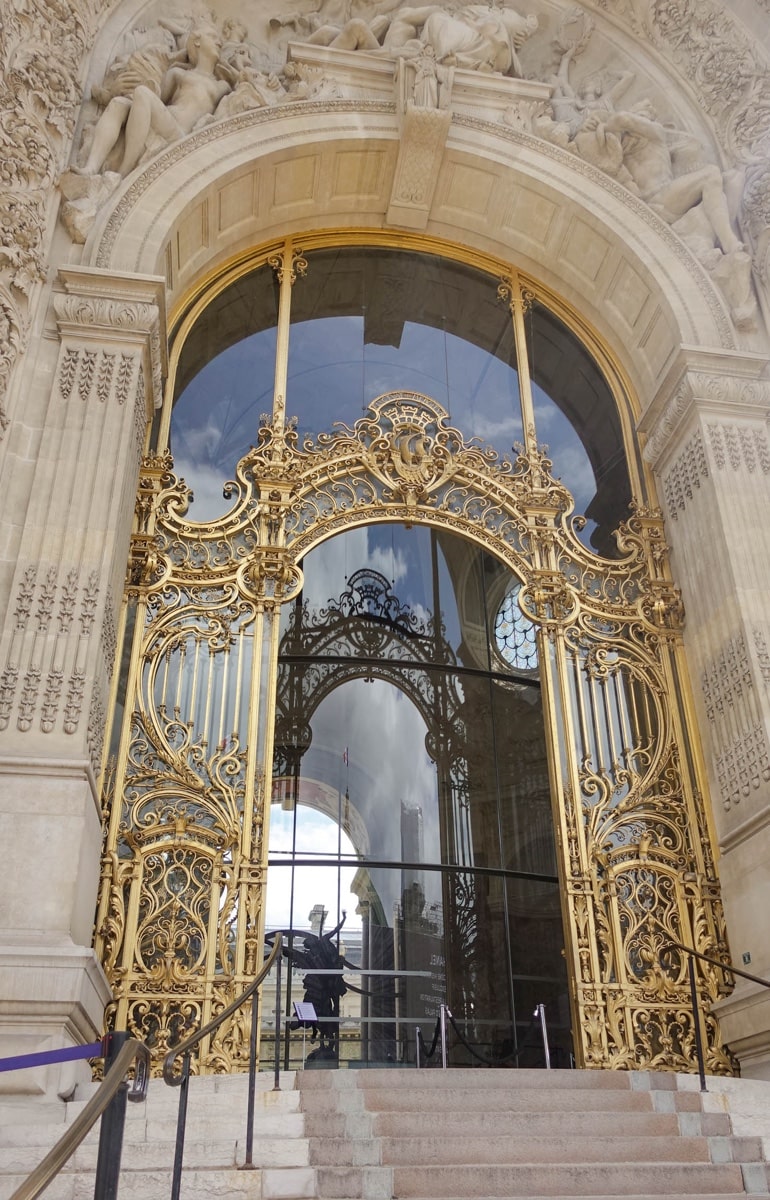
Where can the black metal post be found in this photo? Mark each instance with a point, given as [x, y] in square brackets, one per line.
[249, 1163]
[181, 1123]
[111, 1130]
[287, 1048]
[277, 1078]
[696, 1019]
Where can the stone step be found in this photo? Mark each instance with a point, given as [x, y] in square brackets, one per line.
[501, 1149]
[162, 1102]
[488, 1080]
[543, 1124]
[382, 1099]
[528, 1179]
[531, 1124]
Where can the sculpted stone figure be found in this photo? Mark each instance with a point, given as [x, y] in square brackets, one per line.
[475, 37]
[650, 152]
[595, 94]
[335, 23]
[187, 96]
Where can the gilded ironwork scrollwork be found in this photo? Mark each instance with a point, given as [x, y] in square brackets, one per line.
[183, 876]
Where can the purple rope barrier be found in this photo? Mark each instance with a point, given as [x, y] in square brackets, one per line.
[45, 1057]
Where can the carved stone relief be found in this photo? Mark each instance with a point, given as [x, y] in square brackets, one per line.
[185, 72]
[41, 50]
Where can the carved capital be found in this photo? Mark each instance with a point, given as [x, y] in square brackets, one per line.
[721, 382]
[98, 314]
[123, 314]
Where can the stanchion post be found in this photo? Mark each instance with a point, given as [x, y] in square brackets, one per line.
[278, 1001]
[540, 1013]
[442, 1014]
[417, 1036]
[111, 1130]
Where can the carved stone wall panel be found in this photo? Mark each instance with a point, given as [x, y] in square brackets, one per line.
[58, 647]
[736, 696]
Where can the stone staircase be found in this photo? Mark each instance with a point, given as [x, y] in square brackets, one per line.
[463, 1134]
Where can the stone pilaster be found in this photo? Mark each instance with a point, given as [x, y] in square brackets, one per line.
[708, 441]
[57, 650]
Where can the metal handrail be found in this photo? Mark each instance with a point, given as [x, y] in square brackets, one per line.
[184, 1047]
[715, 962]
[131, 1052]
[183, 1051]
[724, 966]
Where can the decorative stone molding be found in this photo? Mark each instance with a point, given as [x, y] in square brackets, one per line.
[727, 679]
[423, 138]
[716, 54]
[743, 766]
[763, 654]
[685, 476]
[41, 656]
[356, 58]
[734, 713]
[737, 446]
[58, 653]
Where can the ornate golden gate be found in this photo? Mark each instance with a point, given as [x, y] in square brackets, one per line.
[180, 920]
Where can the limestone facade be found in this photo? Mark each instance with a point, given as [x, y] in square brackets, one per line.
[619, 153]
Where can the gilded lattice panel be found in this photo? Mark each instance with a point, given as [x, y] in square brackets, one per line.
[193, 771]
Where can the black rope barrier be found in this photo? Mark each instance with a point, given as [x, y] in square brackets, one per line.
[429, 1053]
[482, 1058]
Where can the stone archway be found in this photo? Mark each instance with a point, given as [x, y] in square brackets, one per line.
[85, 391]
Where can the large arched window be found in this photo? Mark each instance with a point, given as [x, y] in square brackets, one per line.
[368, 320]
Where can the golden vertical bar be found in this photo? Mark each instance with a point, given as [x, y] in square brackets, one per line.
[287, 265]
[518, 301]
[207, 707]
[564, 774]
[236, 723]
[223, 700]
[194, 685]
[179, 678]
